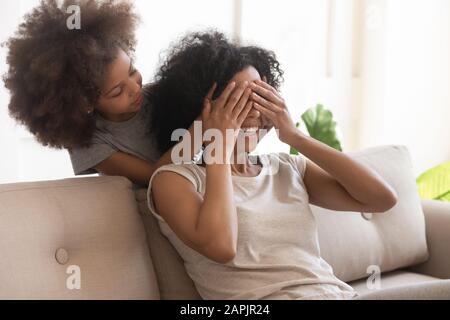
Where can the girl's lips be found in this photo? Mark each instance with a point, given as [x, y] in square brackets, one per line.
[138, 100]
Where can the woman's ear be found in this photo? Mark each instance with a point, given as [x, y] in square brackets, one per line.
[264, 79]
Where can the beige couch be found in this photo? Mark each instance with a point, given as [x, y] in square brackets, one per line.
[93, 238]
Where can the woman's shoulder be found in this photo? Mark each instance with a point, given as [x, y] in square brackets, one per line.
[191, 172]
[285, 160]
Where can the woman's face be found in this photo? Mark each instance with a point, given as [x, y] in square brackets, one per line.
[121, 95]
[252, 125]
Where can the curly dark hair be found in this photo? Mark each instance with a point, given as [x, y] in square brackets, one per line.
[193, 65]
[55, 73]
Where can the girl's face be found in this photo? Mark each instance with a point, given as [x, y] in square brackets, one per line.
[252, 125]
[121, 96]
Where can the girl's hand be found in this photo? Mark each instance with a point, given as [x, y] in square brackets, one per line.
[269, 102]
[227, 112]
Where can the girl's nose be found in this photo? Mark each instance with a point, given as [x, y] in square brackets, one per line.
[135, 88]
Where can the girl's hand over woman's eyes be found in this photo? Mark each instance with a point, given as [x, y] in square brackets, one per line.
[227, 112]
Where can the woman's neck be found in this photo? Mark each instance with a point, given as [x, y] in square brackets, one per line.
[245, 167]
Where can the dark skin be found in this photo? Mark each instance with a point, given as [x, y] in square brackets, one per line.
[209, 224]
[120, 100]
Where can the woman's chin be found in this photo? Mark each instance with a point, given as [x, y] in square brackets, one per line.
[247, 145]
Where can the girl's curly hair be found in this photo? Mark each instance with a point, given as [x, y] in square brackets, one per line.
[55, 73]
[193, 65]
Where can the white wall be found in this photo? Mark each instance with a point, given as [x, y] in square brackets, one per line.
[23, 159]
[406, 96]
[381, 66]
[313, 41]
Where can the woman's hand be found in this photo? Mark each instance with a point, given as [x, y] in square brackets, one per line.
[269, 102]
[227, 112]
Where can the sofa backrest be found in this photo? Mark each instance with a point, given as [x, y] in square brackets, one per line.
[357, 244]
[354, 244]
[73, 239]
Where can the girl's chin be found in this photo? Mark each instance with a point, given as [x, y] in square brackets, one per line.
[136, 107]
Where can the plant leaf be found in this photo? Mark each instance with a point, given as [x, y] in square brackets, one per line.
[294, 151]
[320, 125]
[435, 183]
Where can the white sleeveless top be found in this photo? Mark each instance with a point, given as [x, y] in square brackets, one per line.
[278, 255]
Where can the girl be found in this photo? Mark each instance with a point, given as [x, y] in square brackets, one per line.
[244, 228]
[78, 89]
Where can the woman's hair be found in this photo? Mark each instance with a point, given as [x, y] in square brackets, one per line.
[55, 73]
[192, 67]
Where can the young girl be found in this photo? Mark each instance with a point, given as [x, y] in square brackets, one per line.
[244, 228]
[77, 88]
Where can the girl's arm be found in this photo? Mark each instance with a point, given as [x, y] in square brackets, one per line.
[333, 179]
[140, 171]
[136, 169]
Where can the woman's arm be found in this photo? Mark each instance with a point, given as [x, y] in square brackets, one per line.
[207, 225]
[334, 180]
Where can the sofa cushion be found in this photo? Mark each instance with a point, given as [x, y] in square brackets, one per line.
[390, 280]
[174, 282]
[351, 242]
[58, 234]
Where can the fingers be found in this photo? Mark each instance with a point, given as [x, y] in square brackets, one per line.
[243, 115]
[222, 100]
[211, 91]
[267, 104]
[267, 91]
[242, 103]
[206, 109]
[264, 111]
[235, 97]
[207, 103]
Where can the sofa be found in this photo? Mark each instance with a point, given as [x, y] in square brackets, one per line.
[94, 238]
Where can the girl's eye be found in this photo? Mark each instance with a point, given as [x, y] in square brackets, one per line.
[118, 94]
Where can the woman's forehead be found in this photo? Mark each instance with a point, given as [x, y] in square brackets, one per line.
[249, 74]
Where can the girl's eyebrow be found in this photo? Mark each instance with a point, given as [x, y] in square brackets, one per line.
[118, 85]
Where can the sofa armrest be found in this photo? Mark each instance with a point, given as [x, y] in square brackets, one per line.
[437, 221]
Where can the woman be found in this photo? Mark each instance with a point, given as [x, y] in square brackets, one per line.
[78, 89]
[244, 228]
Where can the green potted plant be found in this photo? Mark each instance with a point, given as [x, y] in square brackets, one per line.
[435, 183]
[321, 126]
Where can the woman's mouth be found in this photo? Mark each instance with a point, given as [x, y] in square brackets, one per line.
[250, 130]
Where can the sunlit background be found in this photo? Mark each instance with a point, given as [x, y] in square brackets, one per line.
[381, 66]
